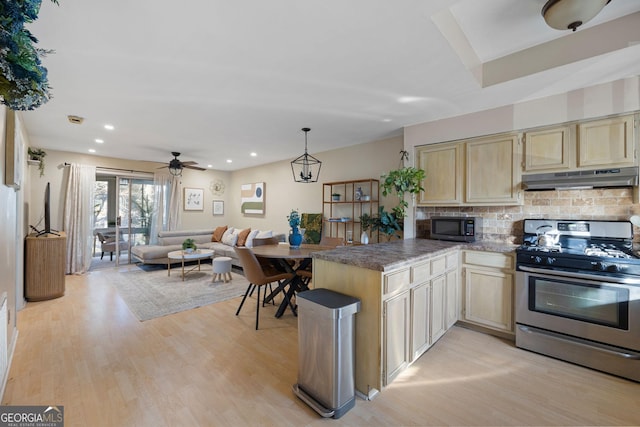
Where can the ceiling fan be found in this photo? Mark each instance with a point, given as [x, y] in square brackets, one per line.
[175, 165]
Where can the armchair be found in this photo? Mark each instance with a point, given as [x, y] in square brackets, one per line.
[108, 244]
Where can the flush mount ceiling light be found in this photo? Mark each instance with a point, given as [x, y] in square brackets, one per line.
[570, 14]
[306, 168]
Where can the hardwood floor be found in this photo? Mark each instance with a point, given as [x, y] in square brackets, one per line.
[208, 367]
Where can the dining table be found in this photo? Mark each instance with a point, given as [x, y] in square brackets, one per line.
[280, 256]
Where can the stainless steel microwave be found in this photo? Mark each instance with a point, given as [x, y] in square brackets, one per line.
[455, 228]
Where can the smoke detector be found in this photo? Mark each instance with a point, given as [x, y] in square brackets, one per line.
[76, 120]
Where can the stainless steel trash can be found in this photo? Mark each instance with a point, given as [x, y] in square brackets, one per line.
[326, 351]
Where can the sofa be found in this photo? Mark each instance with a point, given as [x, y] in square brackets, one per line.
[169, 241]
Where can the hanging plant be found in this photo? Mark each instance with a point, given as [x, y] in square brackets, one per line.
[23, 79]
[38, 154]
[400, 181]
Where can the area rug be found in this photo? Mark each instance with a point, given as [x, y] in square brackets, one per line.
[151, 294]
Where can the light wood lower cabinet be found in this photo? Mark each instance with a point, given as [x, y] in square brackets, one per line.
[403, 312]
[397, 325]
[488, 289]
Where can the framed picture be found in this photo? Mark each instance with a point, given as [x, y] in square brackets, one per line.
[13, 151]
[218, 207]
[252, 198]
[194, 199]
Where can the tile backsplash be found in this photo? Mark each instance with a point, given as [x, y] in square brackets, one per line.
[504, 223]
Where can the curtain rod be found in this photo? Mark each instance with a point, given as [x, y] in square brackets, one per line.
[115, 169]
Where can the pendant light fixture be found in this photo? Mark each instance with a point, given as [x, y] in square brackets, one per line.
[570, 14]
[306, 168]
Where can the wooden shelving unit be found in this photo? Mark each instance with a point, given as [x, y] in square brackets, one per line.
[340, 216]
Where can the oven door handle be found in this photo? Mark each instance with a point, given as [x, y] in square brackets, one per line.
[574, 275]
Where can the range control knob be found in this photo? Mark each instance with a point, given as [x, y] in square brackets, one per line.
[614, 268]
[599, 266]
[537, 259]
[550, 260]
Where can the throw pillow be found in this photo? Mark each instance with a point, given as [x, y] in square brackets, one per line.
[263, 234]
[230, 238]
[229, 231]
[242, 237]
[217, 233]
[250, 237]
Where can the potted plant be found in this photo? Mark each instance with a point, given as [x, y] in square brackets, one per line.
[366, 222]
[189, 245]
[335, 197]
[387, 223]
[400, 181]
[37, 155]
[295, 237]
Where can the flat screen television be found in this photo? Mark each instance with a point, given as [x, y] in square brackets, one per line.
[47, 214]
[47, 209]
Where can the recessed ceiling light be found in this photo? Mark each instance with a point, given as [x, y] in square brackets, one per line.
[386, 120]
[91, 150]
[209, 166]
[254, 154]
[108, 127]
[99, 141]
[229, 161]
[409, 99]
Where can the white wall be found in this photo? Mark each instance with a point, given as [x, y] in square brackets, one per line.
[12, 235]
[281, 193]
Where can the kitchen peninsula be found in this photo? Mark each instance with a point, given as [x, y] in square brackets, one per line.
[409, 292]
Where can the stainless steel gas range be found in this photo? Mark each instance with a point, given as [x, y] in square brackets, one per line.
[578, 294]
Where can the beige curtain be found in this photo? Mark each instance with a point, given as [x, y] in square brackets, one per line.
[175, 200]
[164, 215]
[78, 217]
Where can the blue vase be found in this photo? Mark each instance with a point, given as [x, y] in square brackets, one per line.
[295, 238]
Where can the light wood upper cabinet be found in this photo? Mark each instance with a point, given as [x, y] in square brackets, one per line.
[606, 143]
[479, 171]
[549, 149]
[442, 164]
[492, 170]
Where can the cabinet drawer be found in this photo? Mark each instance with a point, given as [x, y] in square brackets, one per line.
[488, 259]
[420, 273]
[394, 282]
[438, 266]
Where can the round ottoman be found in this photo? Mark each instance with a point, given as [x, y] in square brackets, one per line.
[221, 269]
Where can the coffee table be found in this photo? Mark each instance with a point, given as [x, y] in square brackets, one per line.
[198, 254]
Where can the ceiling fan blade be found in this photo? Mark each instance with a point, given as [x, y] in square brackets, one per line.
[198, 168]
[191, 162]
[162, 167]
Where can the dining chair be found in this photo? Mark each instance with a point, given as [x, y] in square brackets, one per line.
[256, 276]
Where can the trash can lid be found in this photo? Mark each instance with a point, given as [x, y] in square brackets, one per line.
[328, 298]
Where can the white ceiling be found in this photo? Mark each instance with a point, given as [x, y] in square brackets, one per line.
[216, 80]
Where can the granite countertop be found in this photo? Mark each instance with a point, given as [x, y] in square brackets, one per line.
[398, 253]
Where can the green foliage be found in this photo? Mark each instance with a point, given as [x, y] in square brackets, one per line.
[387, 223]
[23, 79]
[366, 221]
[400, 181]
[189, 243]
[38, 154]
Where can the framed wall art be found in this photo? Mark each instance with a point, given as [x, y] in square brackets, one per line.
[194, 199]
[218, 207]
[13, 151]
[252, 198]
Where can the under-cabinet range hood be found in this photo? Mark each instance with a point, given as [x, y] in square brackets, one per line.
[620, 177]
